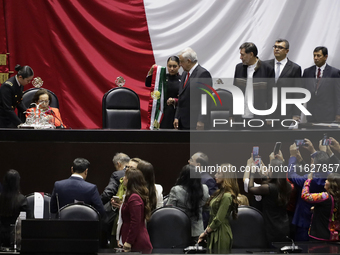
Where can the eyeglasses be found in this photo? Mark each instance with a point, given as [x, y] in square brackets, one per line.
[44, 101]
[278, 47]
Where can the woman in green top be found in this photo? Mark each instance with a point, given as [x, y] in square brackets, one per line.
[222, 203]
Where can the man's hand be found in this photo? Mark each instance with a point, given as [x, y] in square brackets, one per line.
[335, 145]
[200, 125]
[170, 101]
[176, 123]
[309, 146]
[115, 204]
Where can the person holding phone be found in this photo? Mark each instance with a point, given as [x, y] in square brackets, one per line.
[326, 216]
[275, 197]
[297, 175]
[11, 96]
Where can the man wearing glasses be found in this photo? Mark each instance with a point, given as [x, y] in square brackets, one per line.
[287, 74]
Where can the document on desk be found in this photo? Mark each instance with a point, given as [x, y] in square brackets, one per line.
[38, 205]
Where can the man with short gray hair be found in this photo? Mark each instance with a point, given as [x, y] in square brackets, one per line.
[188, 113]
[120, 160]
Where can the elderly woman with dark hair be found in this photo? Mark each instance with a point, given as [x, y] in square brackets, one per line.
[12, 202]
[42, 98]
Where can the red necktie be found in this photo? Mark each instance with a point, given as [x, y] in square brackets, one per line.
[186, 80]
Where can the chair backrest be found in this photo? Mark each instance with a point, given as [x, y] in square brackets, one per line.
[47, 199]
[121, 109]
[76, 211]
[223, 111]
[27, 97]
[169, 227]
[248, 229]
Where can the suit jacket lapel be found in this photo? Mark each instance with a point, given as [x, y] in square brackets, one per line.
[285, 70]
[326, 72]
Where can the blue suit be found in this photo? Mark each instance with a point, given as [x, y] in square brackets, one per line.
[76, 189]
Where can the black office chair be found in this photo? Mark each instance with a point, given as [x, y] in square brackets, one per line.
[27, 97]
[79, 211]
[169, 227]
[223, 111]
[248, 229]
[121, 109]
[47, 199]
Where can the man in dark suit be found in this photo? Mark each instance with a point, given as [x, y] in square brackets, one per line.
[256, 75]
[188, 112]
[76, 189]
[287, 74]
[324, 84]
[120, 160]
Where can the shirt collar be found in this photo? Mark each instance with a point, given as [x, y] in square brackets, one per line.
[254, 65]
[77, 175]
[193, 68]
[16, 78]
[283, 61]
[321, 67]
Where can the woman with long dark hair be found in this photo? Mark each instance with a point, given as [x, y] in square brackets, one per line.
[11, 96]
[325, 225]
[173, 80]
[135, 211]
[190, 195]
[223, 203]
[275, 197]
[12, 202]
[155, 190]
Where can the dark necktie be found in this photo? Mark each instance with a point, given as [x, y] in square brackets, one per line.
[318, 81]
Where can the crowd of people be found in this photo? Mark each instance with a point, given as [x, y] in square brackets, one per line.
[301, 203]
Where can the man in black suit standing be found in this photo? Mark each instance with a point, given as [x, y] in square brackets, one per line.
[287, 74]
[324, 84]
[188, 113]
[76, 189]
[256, 75]
[120, 160]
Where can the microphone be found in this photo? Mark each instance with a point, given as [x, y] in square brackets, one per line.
[291, 249]
[55, 116]
[58, 207]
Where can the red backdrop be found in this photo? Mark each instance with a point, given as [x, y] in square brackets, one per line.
[79, 48]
